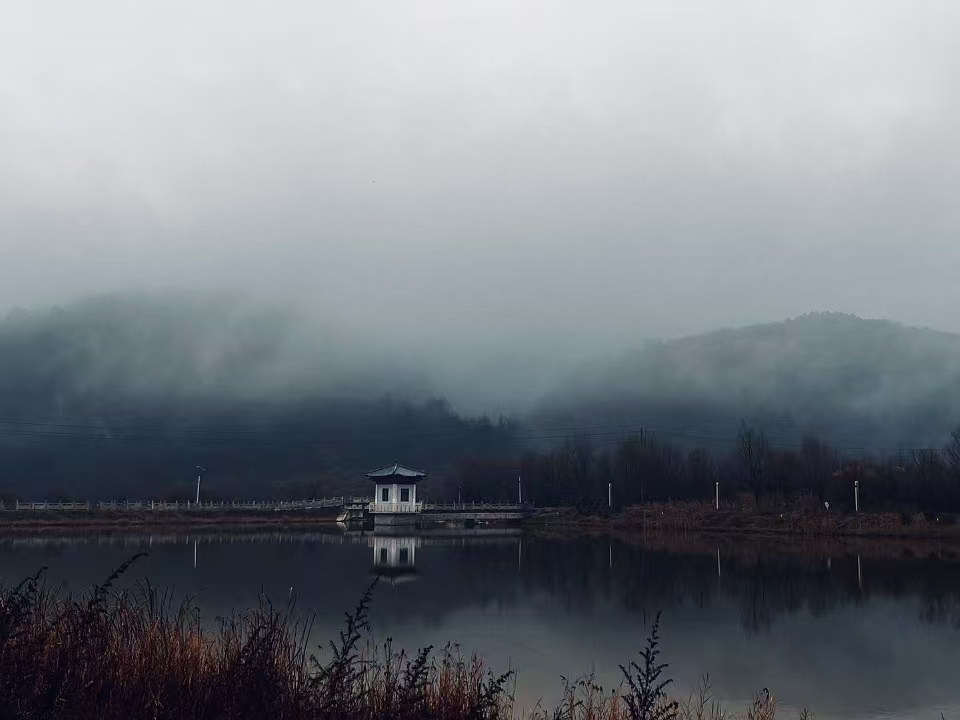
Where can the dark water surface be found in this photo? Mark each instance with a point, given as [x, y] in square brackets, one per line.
[848, 631]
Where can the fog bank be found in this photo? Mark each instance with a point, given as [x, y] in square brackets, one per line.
[487, 182]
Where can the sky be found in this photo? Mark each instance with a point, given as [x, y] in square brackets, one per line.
[496, 178]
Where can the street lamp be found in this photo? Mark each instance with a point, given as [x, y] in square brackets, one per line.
[200, 470]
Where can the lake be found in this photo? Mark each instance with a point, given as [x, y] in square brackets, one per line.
[868, 630]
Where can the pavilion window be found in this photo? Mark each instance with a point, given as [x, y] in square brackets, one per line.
[385, 495]
[404, 494]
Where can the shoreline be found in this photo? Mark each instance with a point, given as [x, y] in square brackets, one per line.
[706, 521]
[685, 519]
[33, 521]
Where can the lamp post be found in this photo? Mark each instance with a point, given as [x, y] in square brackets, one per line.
[200, 470]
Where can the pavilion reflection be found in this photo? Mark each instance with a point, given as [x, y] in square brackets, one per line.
[395, 558]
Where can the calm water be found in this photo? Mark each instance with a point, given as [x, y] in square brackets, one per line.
[868, 635]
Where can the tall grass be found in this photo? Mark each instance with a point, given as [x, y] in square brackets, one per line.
[137, 653]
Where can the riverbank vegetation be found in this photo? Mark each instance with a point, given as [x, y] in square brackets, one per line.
[135, 653]
[754, 475]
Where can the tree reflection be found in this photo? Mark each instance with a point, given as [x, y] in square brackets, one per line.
[763, 584]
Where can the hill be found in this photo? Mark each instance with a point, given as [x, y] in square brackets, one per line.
[124, 397]
[861, 383]
[117, 397]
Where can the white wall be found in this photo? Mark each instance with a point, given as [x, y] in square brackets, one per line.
[395, 489]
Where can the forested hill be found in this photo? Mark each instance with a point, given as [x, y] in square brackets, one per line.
[859, 383]
[124, 397]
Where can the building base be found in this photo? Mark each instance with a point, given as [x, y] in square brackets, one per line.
[396, 519]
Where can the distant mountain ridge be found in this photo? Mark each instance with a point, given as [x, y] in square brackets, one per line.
[874, 383]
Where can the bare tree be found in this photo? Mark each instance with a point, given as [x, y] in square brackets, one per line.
[930, 471]
[951, 453]
[701, 472]
[576, 467]
[630, 460]
[818, 463]
[929, 463]
[753, 451]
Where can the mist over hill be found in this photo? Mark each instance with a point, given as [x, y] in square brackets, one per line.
[861, 383]
[164, 348]
[119, 396]
[124, 396]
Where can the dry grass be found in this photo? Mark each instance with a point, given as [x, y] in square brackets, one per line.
[136, 654]
[643, 696]
[585, 700]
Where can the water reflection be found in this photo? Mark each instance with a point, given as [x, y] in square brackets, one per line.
[764, 582]
[847, 629]
[394, 558]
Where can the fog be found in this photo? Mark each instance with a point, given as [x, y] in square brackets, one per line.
[493, 191]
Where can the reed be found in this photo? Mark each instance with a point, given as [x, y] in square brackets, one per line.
[137, 653]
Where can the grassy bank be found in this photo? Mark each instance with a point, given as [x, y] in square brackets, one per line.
[704, 518]
[699, 518]
[136, 654]
[39, 520]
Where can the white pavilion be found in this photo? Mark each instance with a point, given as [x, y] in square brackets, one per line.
[396, 491]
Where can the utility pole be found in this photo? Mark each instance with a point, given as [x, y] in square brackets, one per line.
[200, 470]
[610, 495]
[519, 490]
[717, 496]
[856, 496]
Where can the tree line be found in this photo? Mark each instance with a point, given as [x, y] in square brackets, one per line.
[289, 451]
[644, 468]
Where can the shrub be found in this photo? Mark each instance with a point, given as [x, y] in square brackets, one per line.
[109, 655]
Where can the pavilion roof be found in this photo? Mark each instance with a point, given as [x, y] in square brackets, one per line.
[396, 470]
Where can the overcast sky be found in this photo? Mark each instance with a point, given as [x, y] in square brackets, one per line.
[489, 173]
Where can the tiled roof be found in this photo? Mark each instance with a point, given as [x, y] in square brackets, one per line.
[395, 470]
